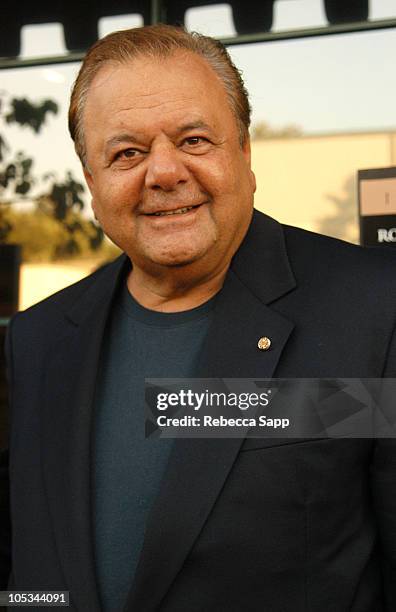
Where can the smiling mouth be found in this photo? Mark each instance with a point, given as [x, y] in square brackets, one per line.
[176, 211]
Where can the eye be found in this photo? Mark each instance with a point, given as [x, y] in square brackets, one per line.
[195, 140]
[196, 145]
[127, 154]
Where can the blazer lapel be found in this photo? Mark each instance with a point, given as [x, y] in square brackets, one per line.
[198, 468]
[66, 430]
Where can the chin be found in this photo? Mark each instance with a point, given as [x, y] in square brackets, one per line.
[176, 257]
[175, 260]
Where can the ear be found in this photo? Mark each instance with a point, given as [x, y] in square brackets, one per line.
[246, 150]
[90, 182]
[247, 155]
[89, 178]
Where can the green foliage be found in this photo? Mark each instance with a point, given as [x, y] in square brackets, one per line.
[263, 131]
[17, 174]
[43, 238]
[56, 229]
[64, 197]
[24, 112]
[3, 148]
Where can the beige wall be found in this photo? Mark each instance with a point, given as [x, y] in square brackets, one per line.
[38, 281]
[311, 181]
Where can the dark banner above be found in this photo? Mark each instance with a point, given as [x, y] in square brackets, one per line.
[80, 19]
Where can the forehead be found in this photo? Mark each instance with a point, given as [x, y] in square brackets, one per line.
[148, 89]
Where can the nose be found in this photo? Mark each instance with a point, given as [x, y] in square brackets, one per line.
[165, 168]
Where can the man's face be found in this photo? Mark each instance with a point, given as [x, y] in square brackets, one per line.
[171, 184]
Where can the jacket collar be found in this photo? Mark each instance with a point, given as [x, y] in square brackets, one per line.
[261, 264]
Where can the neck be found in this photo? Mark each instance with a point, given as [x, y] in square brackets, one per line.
[175, 291]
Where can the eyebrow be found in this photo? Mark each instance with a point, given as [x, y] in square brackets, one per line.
[119, 139]
[193, 125]
[129, 137]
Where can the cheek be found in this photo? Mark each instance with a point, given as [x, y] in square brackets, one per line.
[233, 186]
[112, 196]
[219, 180]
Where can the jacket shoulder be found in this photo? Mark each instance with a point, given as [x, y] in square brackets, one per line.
[39, 316]
[337, 256]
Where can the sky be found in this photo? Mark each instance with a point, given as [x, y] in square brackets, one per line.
[326, 84]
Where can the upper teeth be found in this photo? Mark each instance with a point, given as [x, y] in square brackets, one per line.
[173, 212]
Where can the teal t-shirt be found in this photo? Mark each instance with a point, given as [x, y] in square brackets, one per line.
[127, 468]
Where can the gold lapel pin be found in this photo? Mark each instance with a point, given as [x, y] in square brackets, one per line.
[264, 343]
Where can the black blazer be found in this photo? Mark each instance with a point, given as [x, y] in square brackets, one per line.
[278, 525]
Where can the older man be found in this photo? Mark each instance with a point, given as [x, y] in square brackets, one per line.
[206, 288]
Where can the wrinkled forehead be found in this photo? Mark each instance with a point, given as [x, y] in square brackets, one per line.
[181, 81]
[182, 73]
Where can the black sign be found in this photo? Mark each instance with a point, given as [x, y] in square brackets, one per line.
[377, 206]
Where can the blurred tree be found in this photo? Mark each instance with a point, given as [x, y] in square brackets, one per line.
[3, 147]
[60, 200]
[343, 221]
[43, 238]
[262, 131]
[26, 113]
[63, 202]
